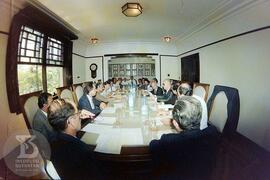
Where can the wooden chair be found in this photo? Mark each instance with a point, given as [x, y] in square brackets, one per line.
[50, 170]
[201, 90]
[65, 93]
[78, 91]
[223, 109]
[29, 106]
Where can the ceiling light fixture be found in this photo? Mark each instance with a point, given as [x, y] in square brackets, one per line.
[167, 38]
[94, 40]
[132, 9]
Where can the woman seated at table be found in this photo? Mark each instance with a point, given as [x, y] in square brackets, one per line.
[191, 151]
[71, 157]
[89, 102]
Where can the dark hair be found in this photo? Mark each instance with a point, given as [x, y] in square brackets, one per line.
[155, 79]
[187, 112]
[187, 91]
[88, 88]
[146, 80]
[98, 84]
[58, 113]
[43, 99]
[175, 87]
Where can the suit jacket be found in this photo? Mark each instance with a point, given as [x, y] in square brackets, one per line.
[167, 98]
[72, 158]
[85, 104]
[159, 91]
[190, 152]
[41, 124]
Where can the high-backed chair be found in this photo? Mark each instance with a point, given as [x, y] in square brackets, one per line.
[224, 108]
[50, 170]
[65, 93]
[201, 90]
[78, 91]
[29, 106]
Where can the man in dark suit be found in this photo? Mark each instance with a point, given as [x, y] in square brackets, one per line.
[189, 153]
[40, 122]
[71, 157]
[167, 97]
[89, 102]
[156, 89]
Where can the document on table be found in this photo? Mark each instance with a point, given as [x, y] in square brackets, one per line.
[165, 106]
[131, 136]
[105, 120]
[96, 128]
[112, 141]
[108, 110]
[108, 143]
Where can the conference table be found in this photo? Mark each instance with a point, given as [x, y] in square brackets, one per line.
[130, 121]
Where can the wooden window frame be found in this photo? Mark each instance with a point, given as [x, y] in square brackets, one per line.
[39, 21]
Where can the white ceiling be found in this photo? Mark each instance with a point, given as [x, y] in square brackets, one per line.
[104, 19]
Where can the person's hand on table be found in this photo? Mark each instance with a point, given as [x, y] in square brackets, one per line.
[102, 106]
[86, 114]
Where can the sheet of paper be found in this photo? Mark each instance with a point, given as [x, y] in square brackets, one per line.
[107, 143]
[108, 110]
[165, 106]
[105, 120]
[112, 140]
[131, 136]
[96, 128]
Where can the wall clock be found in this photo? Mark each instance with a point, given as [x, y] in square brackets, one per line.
[93, 68]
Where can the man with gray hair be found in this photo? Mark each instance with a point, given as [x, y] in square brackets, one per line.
[190, 151]
[167, 97]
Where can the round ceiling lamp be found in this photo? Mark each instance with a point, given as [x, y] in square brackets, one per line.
[94, 40]
[167, 38]
[132, 9]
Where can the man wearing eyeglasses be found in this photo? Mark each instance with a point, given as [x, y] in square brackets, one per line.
[71, 157]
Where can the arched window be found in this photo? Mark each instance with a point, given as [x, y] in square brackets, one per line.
[39, 55]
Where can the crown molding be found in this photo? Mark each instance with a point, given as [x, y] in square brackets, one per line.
[50, 13]
[223, 12]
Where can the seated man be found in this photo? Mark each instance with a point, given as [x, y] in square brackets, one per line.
[167, 97]
[184, 90]
[190, 152]
[156, 89]
[40, 121]
[89, 102]
[99, 96]
[71, 157]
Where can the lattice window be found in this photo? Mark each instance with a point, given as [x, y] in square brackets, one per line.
[55, 51]
[30, 46]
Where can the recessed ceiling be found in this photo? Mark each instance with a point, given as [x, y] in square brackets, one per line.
[103, 18]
